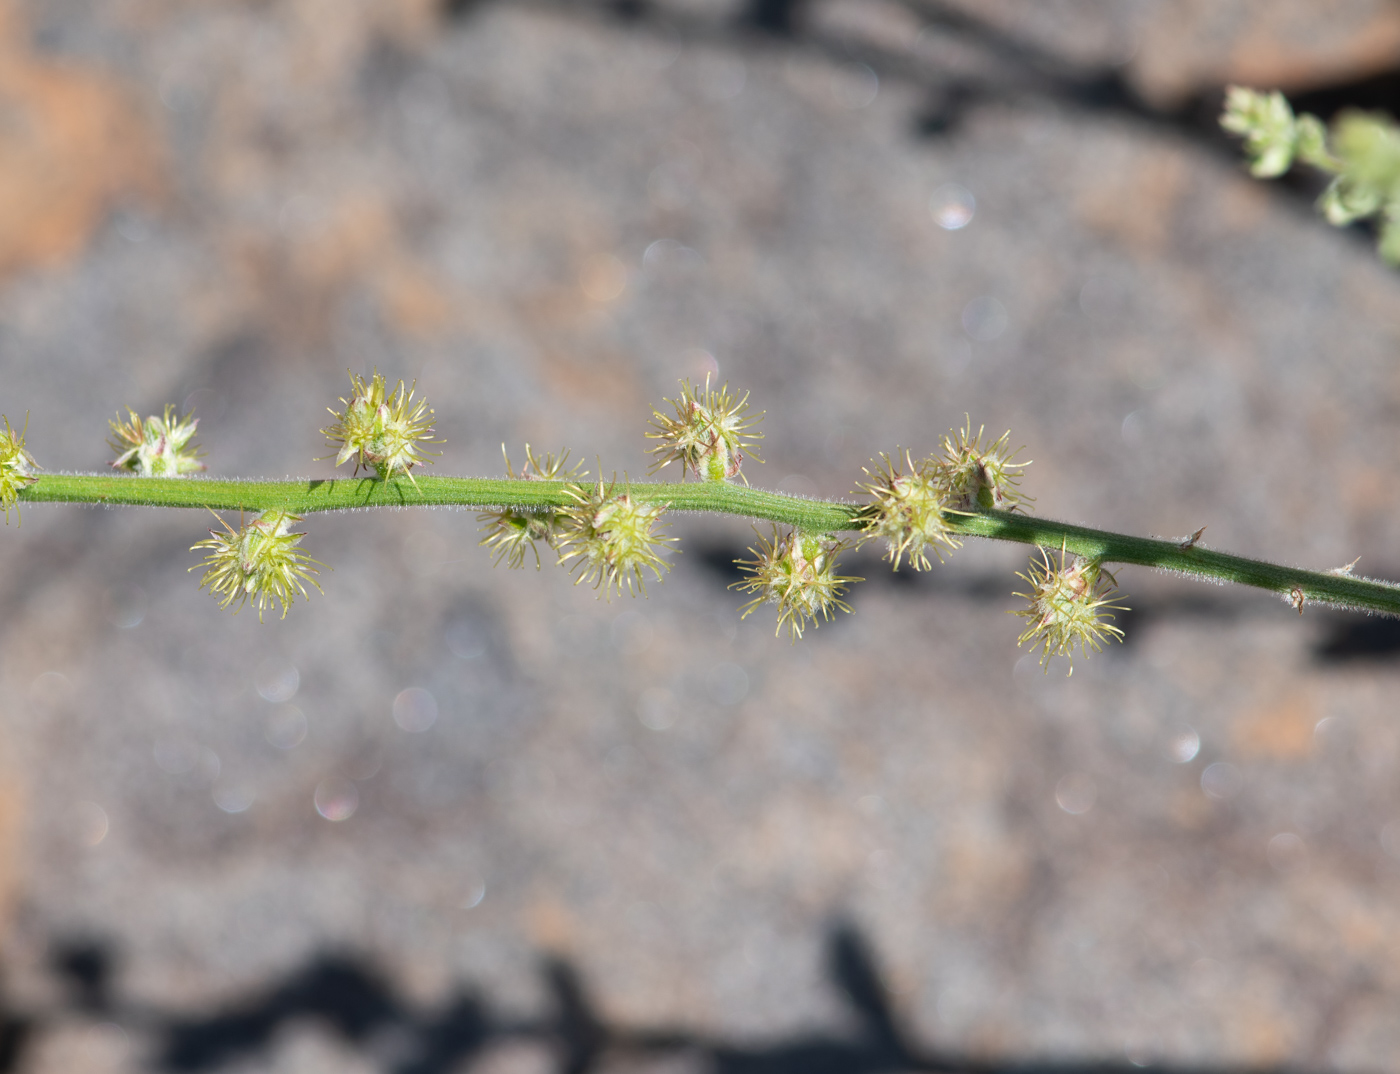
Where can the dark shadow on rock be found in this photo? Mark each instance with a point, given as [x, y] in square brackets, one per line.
[1145, 611]
[719, 560]
[86, 966]
[1378, 91]
[443, 1042]
[353, 1000]
[852, 966]
[627, 10]
[459, 9]
[776, 17]
[338, 990]
[1351, 637]
[581, 1034]
[15, 1030]
[944, 109]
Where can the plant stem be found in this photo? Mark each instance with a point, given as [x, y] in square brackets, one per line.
[305, 496]
[1343, 590]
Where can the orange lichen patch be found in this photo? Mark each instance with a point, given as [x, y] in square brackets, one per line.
[327, 36]
[1240, 208]
[1362, 930]
[1366, 489]
[1135, 200]
[1263, 1034]
[1265, 43]
[603, 278]
[1189, 808]
[1281, 730]
[416, 302]
[803, 838]
[581, 372]
[550, 924]
[1281, 51]
[294, 282]
[983, 866]
[72, 144]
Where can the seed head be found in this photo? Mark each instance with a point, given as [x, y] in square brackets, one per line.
[510, 531]
[907, 510]
[156, 446]
[708, 435]
[17, 467]
[612, 536]
[259, 562]
[381, 429]
[1069, 605]
[797, 572]
[981, 478]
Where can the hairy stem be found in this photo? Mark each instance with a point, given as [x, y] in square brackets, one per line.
[305, 496]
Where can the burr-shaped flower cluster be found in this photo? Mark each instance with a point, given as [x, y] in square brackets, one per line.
[709, 433]
[258, 562]
[156, 446]
[511, 532]
[796, 572]
[17, 468]
[383, 430]
[1069, 605]
[906, 510]
[912, 504]
[981, 477]
[612, 537]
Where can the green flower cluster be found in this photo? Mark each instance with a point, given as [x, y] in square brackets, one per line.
[1361, 152]
[1069, 606]
[797, 572]
[156, 446]
[511, 532]
[381, 429]
[709, 434]
[612, 536]
[909, 505]
[259, 562]
[17, 468]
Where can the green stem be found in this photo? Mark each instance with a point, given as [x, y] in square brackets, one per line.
[304, 496]
[1358, 594]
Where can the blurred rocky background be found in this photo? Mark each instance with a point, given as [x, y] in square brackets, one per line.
[448, 818]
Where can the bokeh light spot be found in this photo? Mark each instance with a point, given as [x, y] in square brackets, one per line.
[1076, 793]
[234, 798]
[603, 278]
[278, 681]
[336, 798]
[286, 727]
[952, 207]
[415, 710]
[1222, 781]
[1288, 854]
[1183, 744]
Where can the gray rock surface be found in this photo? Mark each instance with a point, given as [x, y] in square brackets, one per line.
[547, 215]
